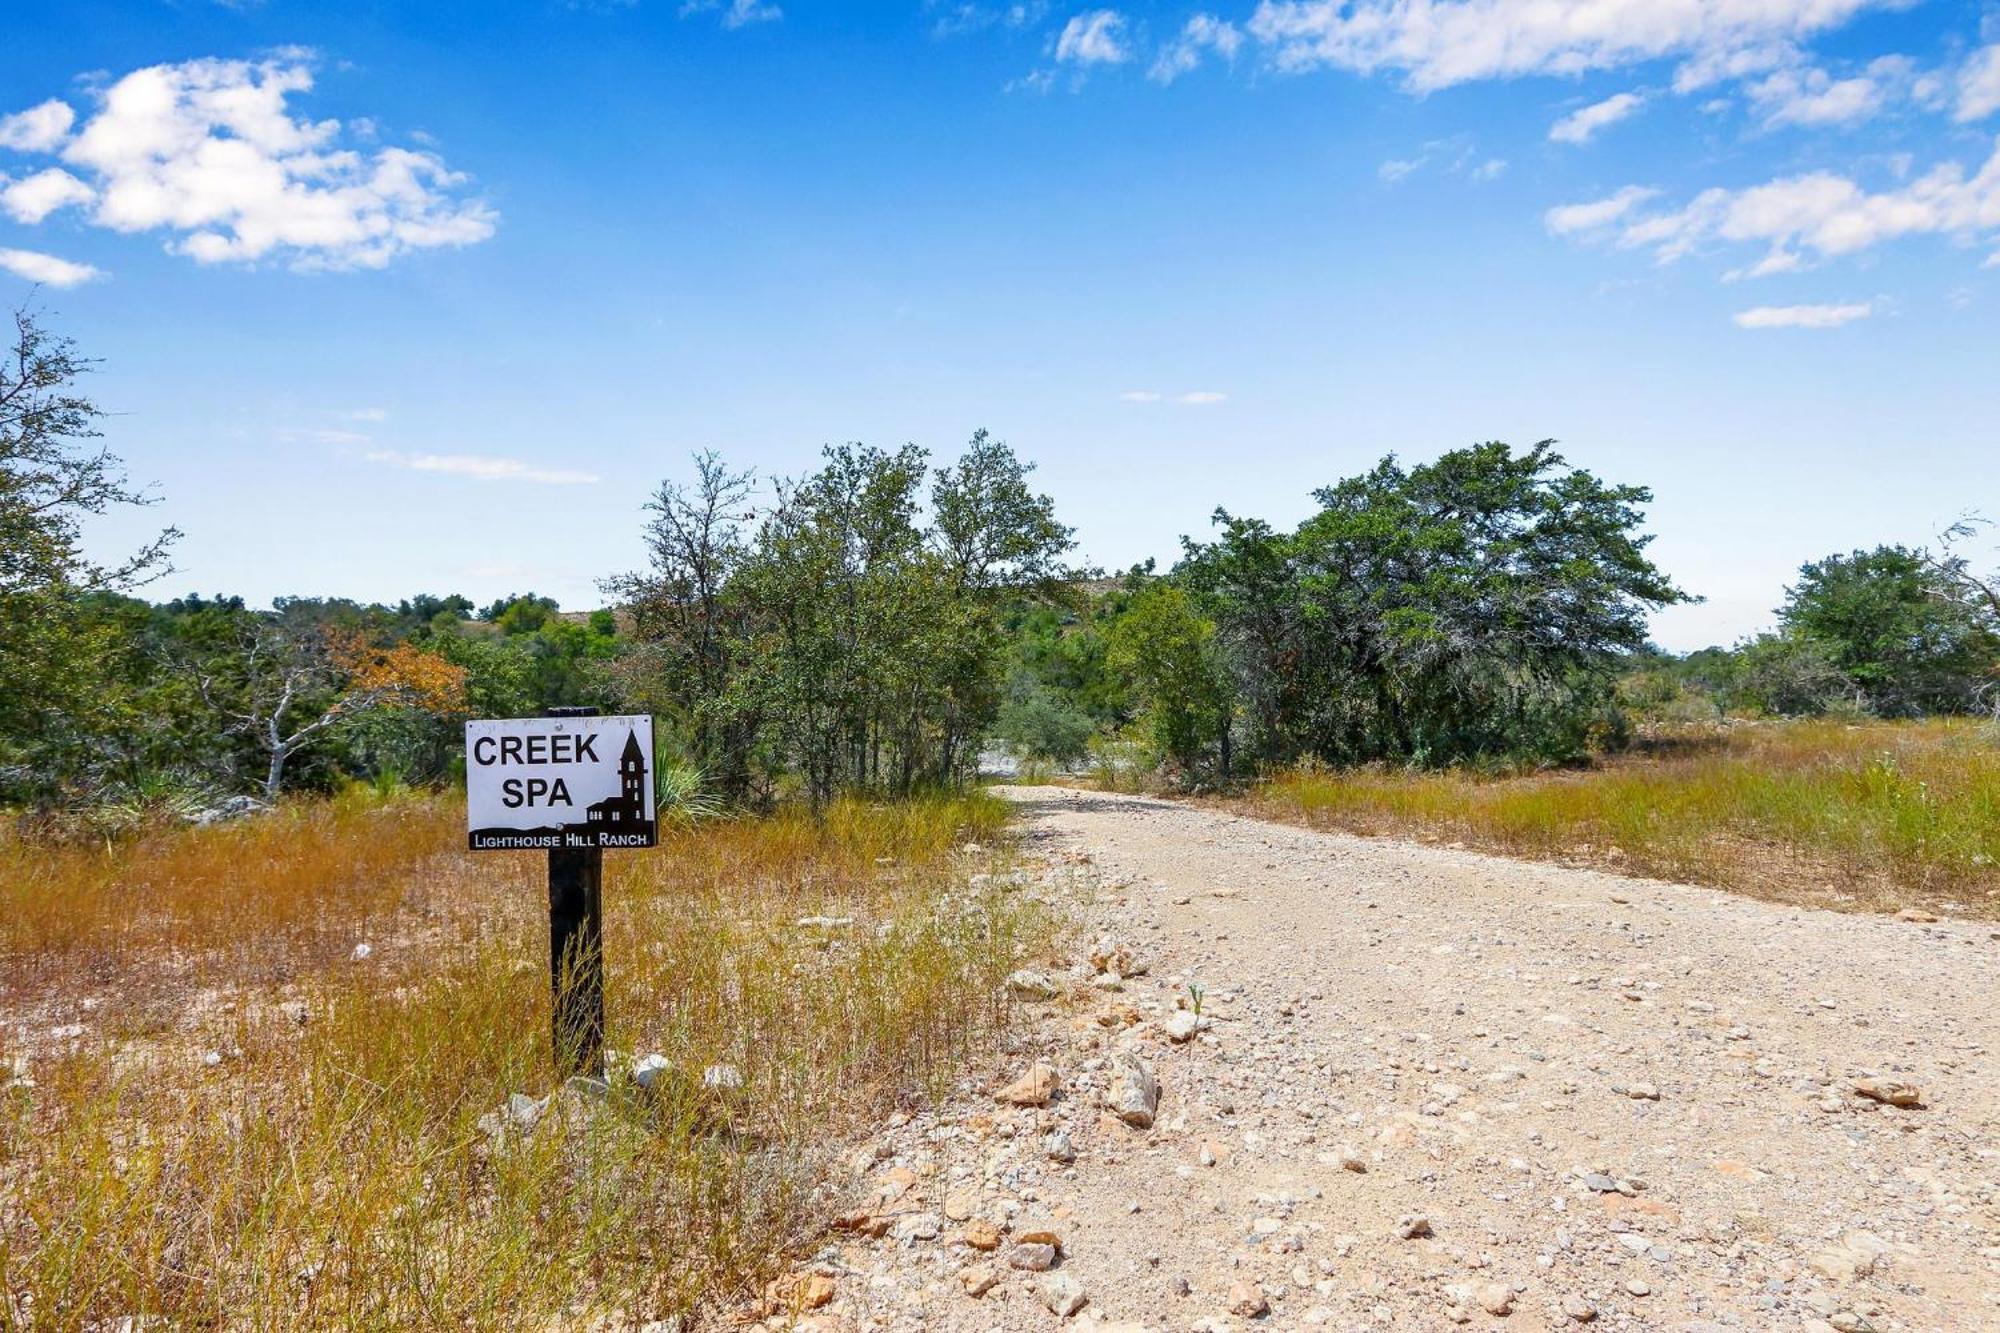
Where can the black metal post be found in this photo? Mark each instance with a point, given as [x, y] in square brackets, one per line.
[576, 951]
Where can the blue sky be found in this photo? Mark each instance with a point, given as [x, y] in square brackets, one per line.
[402, 297]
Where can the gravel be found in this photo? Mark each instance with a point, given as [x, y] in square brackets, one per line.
[1614, 1101]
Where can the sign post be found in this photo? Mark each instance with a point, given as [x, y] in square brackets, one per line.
[576, 951]
[573, 783]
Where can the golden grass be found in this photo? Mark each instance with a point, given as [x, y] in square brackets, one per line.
[332, 1172]
[1867, 817]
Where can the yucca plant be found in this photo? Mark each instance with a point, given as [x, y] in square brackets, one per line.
[681, 795]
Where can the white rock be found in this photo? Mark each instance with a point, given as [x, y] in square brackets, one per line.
[1030, 985]
[1062, 1294]
[1135, 1093]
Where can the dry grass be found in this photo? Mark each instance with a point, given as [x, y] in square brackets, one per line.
[332, 1172]
[1868, 817]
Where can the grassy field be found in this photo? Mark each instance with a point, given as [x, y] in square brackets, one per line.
[220, 1109]
[1869, 817]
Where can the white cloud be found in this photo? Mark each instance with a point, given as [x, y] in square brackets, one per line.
[47, 268]
[207, 152]
[1456, 155]
[1779, 260]
[1803, 316]
[1204, 32]
[1725, 64]
[1571, 219]
[959, 19]
[39, 129]
[1822, 212]
[1800, 94]
[1437, 43]
[481, 467]
[31, 199]
[1193, 398]
[1581, 125]
[1813, 97]
[368, 414]
[1093, 38]
[1979, 85]
[737, 14]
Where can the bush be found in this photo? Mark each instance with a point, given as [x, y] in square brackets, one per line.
[1041, 726]
[1793, 675]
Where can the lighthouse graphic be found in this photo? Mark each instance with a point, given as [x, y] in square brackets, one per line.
[628, 812]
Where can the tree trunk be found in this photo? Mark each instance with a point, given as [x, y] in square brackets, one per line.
[274, 776]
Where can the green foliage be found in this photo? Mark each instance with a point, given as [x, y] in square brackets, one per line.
[1067, 653]
[991, 527]
[1794, 674]
[1474, 607]
[1170, 652]
[871, 660]
[844, 640]
[59, 647]
[1897, 628]
[690, 632]
[681, 795]
[523, 614]
[1040, 723]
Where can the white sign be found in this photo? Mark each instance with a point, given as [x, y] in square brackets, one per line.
[559, 782]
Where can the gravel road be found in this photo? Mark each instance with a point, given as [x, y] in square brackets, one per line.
[1436, 1089]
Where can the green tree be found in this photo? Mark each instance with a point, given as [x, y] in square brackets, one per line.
[54, 644]
[1039, 723]
[1476, 606]
[1898, 628]
[1171, 652]
[691, 631]
[856, 626]
[1793, 674]
[845, 640]
[523, 614]
[995, 531]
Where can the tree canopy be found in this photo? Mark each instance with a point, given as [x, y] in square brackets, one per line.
[1471, 607]
[1897, 626]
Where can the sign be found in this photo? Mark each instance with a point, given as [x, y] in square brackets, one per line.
[560, 783]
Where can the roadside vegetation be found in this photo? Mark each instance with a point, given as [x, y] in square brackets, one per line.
[264, 1015]
[1874, 816]
[275, 1043]
[249, 1063]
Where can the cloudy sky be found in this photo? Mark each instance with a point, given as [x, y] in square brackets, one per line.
[427, 296]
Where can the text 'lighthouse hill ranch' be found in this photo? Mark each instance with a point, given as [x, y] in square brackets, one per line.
[550, 778]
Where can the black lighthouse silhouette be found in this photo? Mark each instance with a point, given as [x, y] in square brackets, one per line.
[625, 812]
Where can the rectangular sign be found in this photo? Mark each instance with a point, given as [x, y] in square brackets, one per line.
[559, 782]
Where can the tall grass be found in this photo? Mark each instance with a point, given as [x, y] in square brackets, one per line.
[1863, 816]
[258, 1129]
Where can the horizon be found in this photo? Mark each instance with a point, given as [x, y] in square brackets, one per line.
[429, 291]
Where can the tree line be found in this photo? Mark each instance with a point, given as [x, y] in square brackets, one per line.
[873, 624]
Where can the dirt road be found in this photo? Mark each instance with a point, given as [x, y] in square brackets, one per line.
[1438, 1089]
